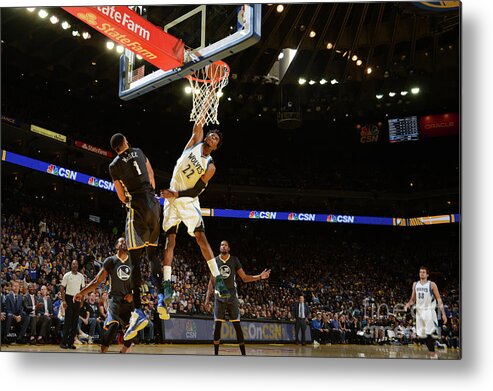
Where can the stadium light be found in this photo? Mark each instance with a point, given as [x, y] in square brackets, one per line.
[301, 81]
[66, 25]
[31, 9]
[188, 90]
[404, 93]
[312, 82]
[54, 19]
[110, 45]
[415, 90]
[334, 81]
[119, 49]
[323, 81]
[391, 94]
[42, 14]
[280, 8]
[379, 96]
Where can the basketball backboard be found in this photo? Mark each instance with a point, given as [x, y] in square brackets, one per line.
[209, 32]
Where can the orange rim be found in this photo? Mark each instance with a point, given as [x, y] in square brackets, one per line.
[216, 79]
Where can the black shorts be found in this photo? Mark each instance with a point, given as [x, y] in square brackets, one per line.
[142, 225]
[119, 311]
[231, 306]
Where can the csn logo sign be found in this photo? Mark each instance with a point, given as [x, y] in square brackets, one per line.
[301, 217]
[61, 172]
[102, 184]
[262, 215]
[340, 219]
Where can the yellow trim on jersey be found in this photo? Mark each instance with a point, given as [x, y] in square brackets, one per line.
[129, 233]
[133, 229]
[219, 320]
[234, 320]
[151, 244]
[136, 247]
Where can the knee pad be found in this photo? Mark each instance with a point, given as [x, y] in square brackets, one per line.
[430, 343]
[239, 332]
[217, 331]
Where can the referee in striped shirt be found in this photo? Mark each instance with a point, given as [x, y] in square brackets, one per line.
[72, 283]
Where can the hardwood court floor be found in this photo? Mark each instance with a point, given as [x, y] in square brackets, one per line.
[263, 350]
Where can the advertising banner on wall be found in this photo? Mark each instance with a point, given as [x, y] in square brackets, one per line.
[193, 329]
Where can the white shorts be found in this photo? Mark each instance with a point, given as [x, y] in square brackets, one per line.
[184, 209]
[426, 322]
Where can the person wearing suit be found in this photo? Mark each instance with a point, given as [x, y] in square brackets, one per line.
[15, 312]
[46, 315]
[301, 313]
[30, 307]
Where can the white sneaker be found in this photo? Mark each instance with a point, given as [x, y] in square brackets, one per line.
[83, 335]
[316, 344]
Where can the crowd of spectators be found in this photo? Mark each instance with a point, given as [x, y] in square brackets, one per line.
[351, 278]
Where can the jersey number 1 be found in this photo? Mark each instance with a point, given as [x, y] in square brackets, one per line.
[136, 165]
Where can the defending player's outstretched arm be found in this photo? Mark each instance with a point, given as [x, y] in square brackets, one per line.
[248, 278]
[100, 277]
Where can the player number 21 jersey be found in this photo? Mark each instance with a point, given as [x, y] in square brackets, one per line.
[189, 168]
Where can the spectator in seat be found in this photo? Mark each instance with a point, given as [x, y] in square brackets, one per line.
[46, 316]
[14, 310]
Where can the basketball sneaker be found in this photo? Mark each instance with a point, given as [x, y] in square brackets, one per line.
[138, 321]
[220, 288]
[163, 299]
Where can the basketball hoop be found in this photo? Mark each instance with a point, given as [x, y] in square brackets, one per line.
[207, 84]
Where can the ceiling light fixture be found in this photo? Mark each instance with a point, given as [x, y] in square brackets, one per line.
[42, 14]
[312, 34]
[369, 70]
[404, 93]
[312, 82]
[334, 81]
[323, 81]
[379, 96]
[359, 63]
[119, 49]
[66, 25]
[415, 90]
[391, 94]
[354, 58]
[75, 33]
[31, 9]
[86, 35]
[301, 81]
[54, 19]
[280, 8]
[110, 45]
[330, 45]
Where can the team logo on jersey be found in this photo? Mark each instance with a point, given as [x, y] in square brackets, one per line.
[123, 272]
[225, 271]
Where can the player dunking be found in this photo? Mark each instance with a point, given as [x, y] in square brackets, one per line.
[133, 177]
[193, 171]
[425, 294]
[230, 266]
[119, 268]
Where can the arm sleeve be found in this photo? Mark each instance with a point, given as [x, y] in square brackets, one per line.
[108, 265]
[194, 191]
[64, 280]
[114, 172]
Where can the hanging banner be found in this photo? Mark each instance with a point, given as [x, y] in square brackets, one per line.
[132, 31]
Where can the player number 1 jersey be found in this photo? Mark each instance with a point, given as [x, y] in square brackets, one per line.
[189, 168]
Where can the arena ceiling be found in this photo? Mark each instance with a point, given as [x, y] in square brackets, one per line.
[404, 45]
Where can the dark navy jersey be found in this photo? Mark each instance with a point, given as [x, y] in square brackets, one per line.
[228, 270]
[120, 275]
[130, 168]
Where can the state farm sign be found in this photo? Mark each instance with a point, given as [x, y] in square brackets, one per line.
[129, 29]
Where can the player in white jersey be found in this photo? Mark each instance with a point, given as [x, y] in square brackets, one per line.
[425, 294]
[193, 171]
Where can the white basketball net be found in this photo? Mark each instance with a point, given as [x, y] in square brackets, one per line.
[207, 84]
